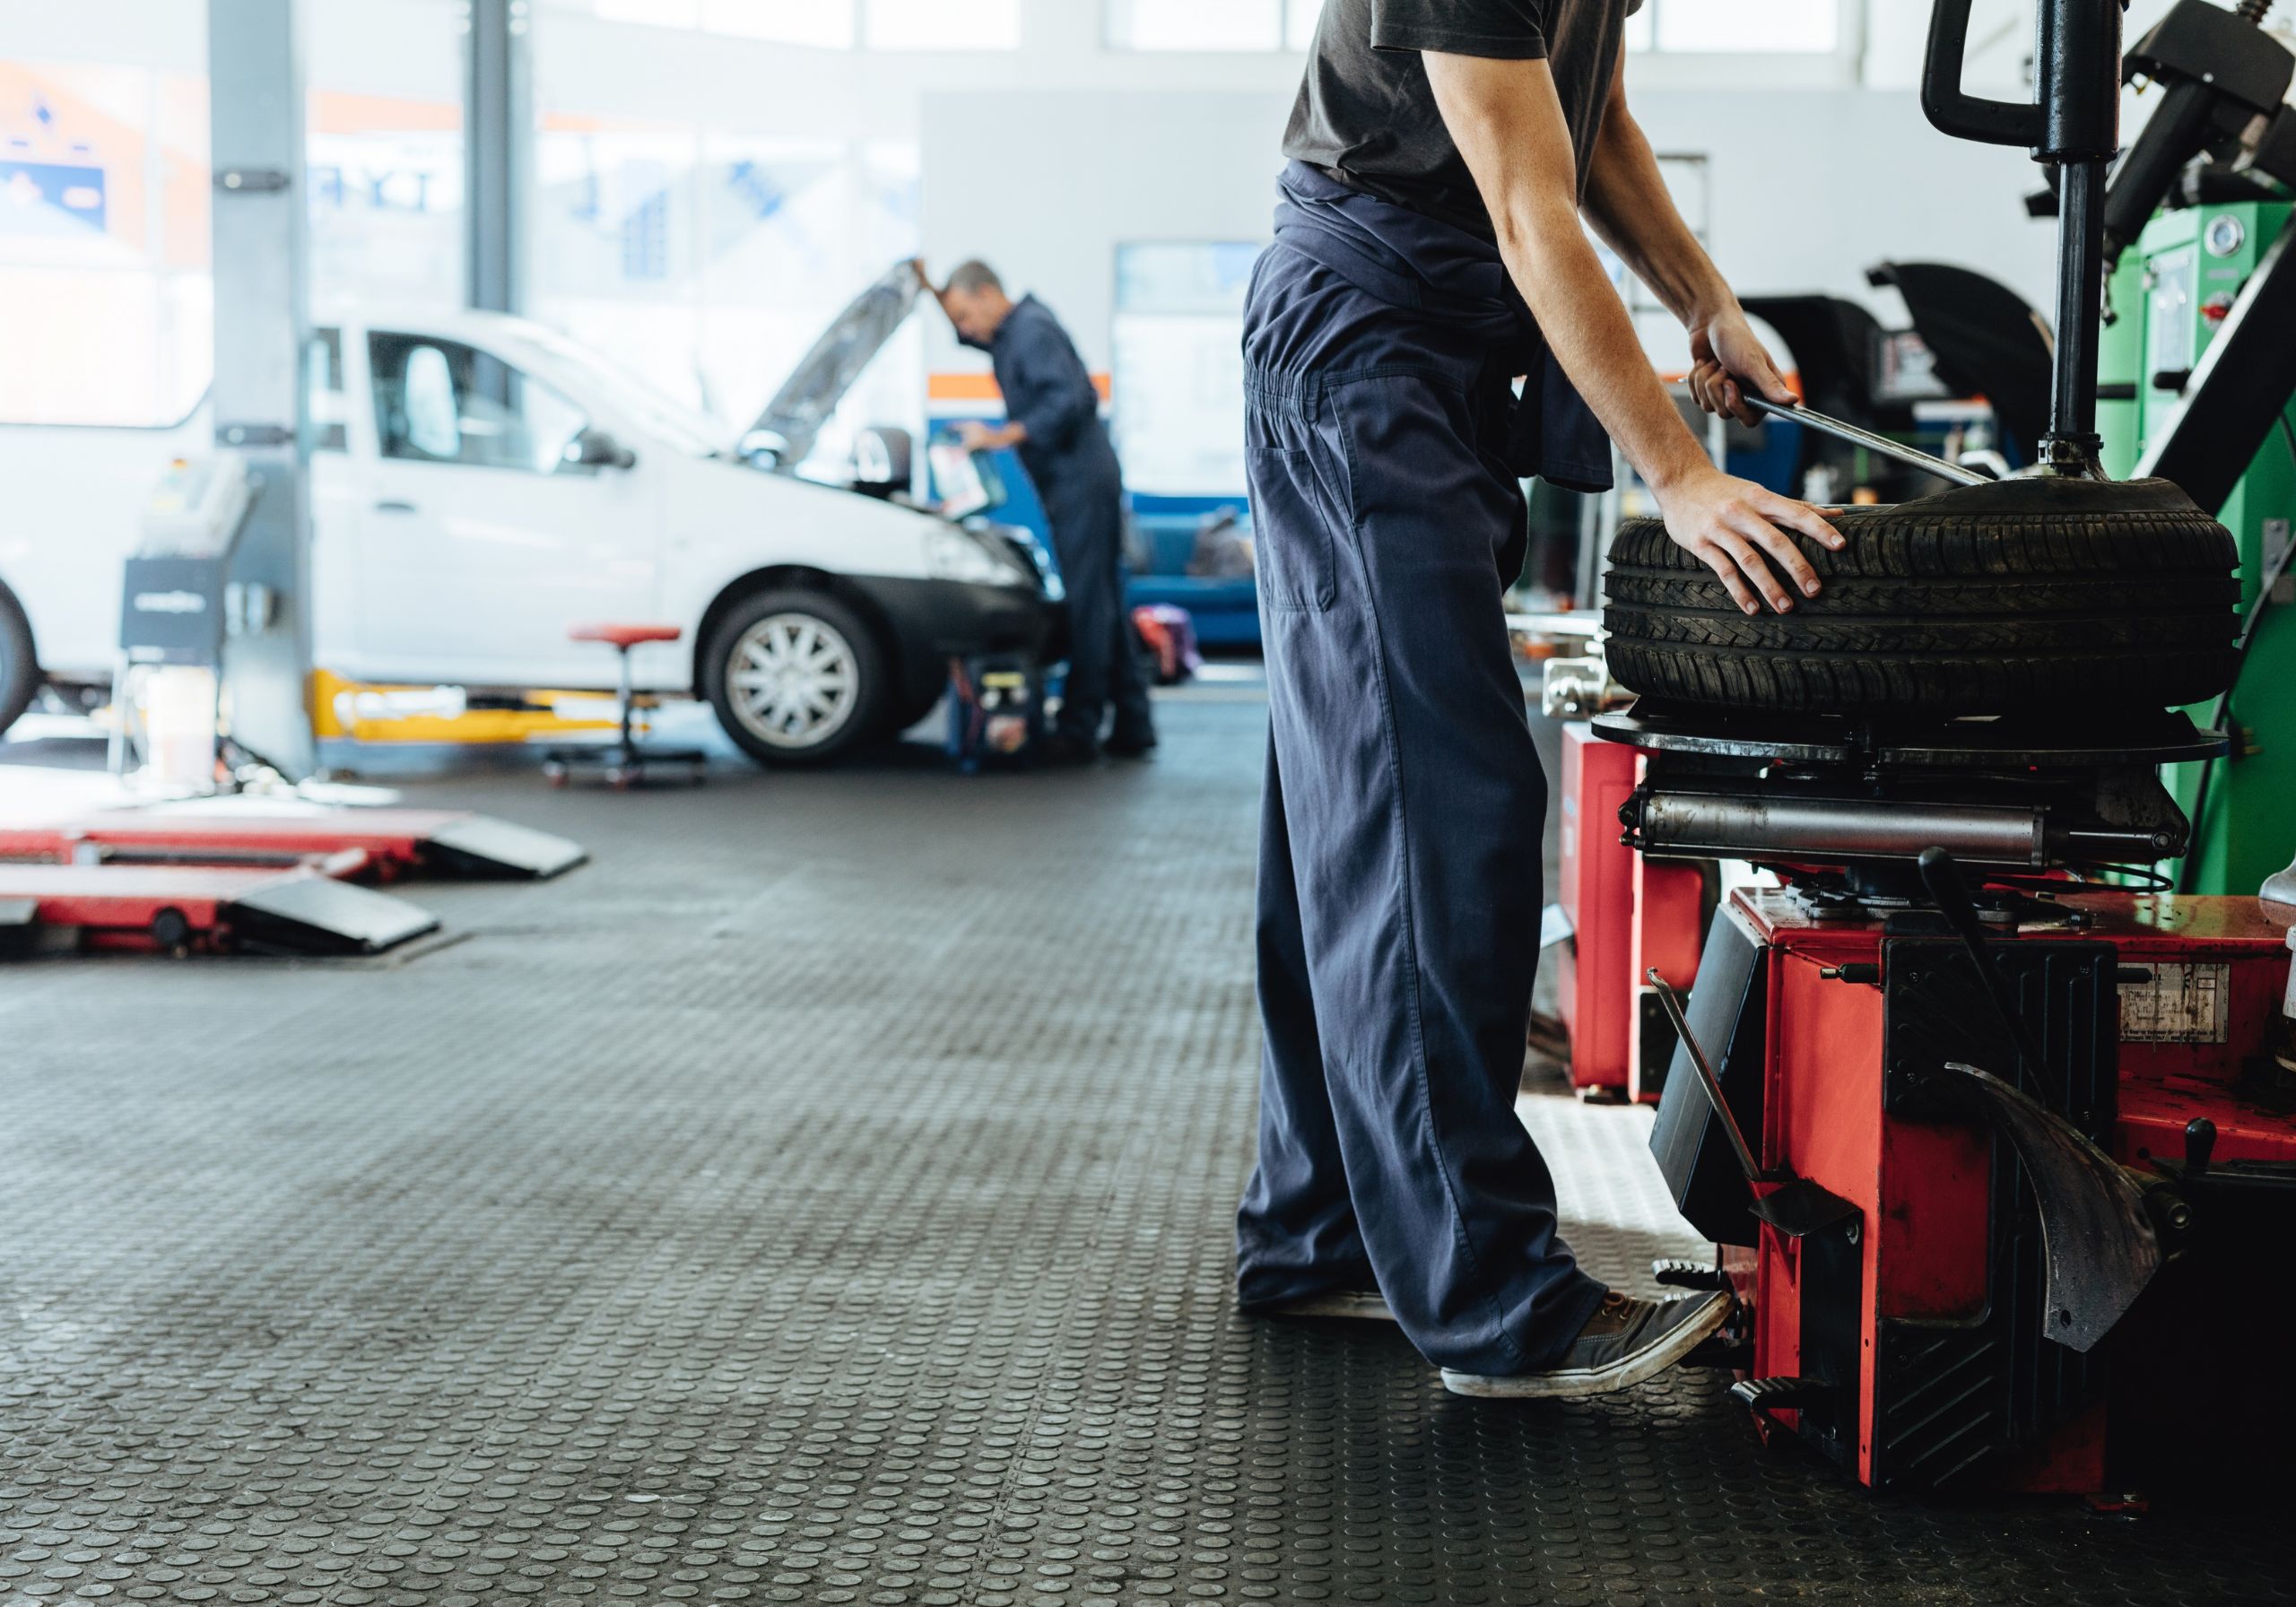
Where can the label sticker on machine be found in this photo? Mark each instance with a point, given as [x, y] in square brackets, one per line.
[2181, 1004]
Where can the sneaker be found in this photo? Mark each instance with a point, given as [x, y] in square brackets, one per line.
[1125, 746]
[1627, 1341]
[1367, 1304]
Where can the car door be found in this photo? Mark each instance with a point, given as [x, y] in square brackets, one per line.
[491, 527]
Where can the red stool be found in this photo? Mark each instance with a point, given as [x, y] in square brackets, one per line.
[624, 762]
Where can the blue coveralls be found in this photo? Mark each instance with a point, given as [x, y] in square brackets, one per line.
[1400, 881]
[1070, 457]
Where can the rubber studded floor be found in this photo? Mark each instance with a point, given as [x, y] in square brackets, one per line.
[824, 1197]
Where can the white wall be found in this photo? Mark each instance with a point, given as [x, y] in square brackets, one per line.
[1809, 188]
[2001, 43]
[1046, 186]
[1045, 158]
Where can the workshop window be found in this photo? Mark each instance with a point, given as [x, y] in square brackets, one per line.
[1717, 27]
[829, 24]
[943, 25]
[438, 401]
[1672, 27]
[824, 24]
[1180, 367]
[386, 165]
[104, 190]
[1211, 24]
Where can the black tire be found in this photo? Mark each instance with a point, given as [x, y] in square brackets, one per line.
[861, 707]
[18, 663]
[2018, 596]
[915, 708]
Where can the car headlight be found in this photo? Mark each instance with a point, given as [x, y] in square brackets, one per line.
[954, 554]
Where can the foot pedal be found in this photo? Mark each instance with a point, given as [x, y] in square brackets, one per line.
[1773, 1394]
[1689, 1274]
[1727, 1355]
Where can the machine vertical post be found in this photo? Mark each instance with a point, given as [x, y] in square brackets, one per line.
[496, 143]
[2072, 443]
[2079, 56]
[261, 231]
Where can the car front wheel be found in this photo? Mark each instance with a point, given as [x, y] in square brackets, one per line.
[796, 677]
[19, 670]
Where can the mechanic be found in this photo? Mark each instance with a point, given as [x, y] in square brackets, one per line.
[1053, 416]
[1429, 251]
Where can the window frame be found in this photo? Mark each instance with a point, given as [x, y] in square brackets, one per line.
[326, 342]
[1686, 68]
[410, 341]
[857, 40]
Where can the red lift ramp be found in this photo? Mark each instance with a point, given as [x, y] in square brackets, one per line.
[396, 842]
[185, 909]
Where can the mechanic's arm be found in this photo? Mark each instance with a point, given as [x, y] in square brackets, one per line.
[1631, 208]
[1508, 122]
[1045, 404]
[974, 435]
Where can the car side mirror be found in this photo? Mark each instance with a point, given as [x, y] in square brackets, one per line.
[595, 449]
[768, 449]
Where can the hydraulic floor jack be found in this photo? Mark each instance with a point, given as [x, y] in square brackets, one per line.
[1994, 1134]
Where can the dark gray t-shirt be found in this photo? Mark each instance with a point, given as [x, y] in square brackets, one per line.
[1366, 116]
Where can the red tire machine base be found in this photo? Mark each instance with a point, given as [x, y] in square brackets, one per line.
[2060, 1276]
[1626, 914]
[1911, 1340]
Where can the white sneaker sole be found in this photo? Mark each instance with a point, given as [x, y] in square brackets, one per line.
[1342, 1303]
[1638, 1367]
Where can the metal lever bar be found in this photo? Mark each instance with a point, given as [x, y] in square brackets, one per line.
[1795, 1206]
[1942, 878]
[1867, 438]
[1707, 1079]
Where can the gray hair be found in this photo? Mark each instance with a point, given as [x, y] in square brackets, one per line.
[975, 276]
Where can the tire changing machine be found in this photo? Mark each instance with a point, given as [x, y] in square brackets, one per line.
[2000, 1161]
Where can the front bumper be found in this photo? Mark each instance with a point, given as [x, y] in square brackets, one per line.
[950, 619]
[935, 621]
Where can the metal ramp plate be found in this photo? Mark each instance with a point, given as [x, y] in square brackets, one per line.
[310, 914]
[447, 842]
[479, 845]
[301, 911]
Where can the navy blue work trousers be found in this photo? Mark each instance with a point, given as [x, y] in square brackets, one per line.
[1084, 501]
[1400, 879]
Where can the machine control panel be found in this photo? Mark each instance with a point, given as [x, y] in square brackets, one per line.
[173, 599]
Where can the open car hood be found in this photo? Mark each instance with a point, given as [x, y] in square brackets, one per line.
[806, 399]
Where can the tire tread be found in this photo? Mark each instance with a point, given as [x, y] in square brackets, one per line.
[1934, 613]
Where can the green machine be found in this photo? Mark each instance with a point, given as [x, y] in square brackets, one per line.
[2174, 289]
[2196, 370]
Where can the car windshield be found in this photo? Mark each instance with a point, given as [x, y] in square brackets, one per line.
[695, 430]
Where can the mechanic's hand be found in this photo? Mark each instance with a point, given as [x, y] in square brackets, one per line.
[1725, 353]
[924, 279]
[1731, 524]
[974, 435]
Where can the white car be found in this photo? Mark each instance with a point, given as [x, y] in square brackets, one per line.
[480, 484]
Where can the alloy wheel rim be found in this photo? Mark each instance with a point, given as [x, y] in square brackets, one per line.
[793, 681]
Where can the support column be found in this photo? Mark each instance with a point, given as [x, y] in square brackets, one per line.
[261, 236]
[497, 128]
